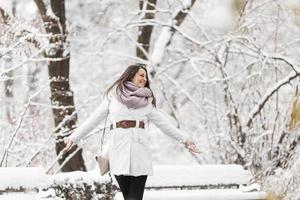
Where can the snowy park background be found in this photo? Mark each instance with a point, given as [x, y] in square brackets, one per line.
[228, 75]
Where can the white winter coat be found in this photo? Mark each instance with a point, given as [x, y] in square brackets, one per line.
[129, 152]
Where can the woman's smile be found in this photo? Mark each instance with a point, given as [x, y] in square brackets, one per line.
[140, 78]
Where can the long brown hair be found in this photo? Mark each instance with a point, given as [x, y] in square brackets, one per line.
[128, 75]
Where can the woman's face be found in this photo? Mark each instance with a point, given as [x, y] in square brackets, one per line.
[140, 78]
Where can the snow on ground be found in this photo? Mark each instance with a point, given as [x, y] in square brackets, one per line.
[25, 196]
[219, 194]
[224, 194]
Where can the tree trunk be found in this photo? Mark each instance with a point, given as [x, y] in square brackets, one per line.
[145, 32]
[62, 98]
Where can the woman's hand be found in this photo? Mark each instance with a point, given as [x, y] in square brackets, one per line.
[191, 146]
[69, 145]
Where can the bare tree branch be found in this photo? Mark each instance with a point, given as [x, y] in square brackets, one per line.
[256, 110]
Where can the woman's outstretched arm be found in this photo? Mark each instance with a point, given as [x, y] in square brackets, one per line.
[88, 125]
[159, 118]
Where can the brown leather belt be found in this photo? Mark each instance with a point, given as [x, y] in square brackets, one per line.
[128, 124]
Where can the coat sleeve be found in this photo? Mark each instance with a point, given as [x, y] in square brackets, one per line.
[159, 118]
[93, 120]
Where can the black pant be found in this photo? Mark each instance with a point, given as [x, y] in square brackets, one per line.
[132, 187]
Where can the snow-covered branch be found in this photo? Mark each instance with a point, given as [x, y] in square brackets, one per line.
[166, 35]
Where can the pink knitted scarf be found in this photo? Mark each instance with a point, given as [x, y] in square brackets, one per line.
[133, 96]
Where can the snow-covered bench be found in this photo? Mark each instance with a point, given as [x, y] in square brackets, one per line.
[198, 177]
[189, 182]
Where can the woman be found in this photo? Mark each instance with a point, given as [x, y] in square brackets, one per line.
[131, 105]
